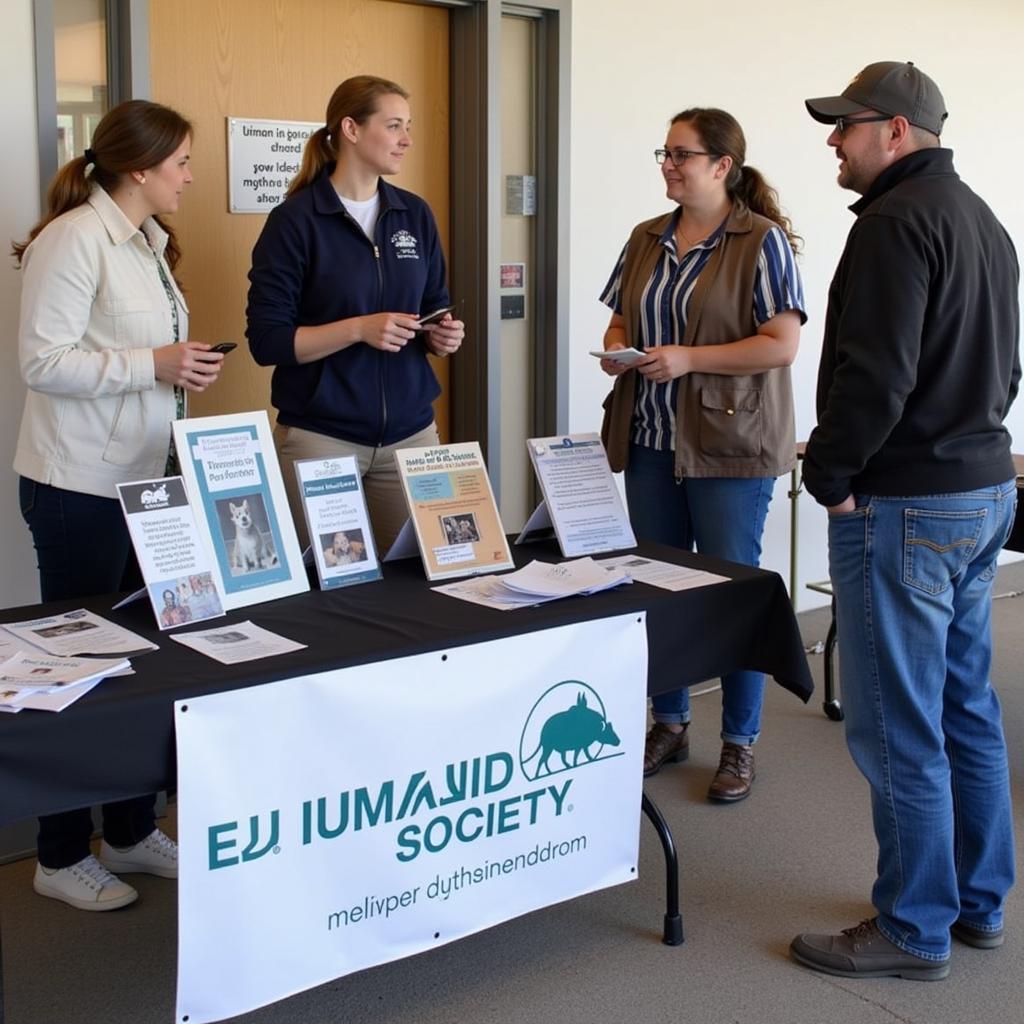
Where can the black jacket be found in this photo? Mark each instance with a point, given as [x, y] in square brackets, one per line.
[313, 264]
[919, 364]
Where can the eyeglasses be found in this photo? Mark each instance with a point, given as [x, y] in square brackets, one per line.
[842, 123]
[678, 156]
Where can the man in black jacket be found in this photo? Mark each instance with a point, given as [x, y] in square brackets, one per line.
[911, 460]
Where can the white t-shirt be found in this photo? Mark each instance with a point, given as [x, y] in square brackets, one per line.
[363, 211]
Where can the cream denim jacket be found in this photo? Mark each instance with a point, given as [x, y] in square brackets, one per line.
[93, 308]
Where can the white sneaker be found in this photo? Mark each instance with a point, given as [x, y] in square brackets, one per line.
[155, 855]
[87, 885]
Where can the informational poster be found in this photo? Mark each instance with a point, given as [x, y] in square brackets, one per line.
[337, 521]
[174, 563]
[509, 795]
[581, 499]
[263, 157]
[232, 475]
[452, 510]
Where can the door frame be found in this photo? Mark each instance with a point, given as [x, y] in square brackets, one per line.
[476, 218]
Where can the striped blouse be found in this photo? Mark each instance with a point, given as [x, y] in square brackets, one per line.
[664, 305]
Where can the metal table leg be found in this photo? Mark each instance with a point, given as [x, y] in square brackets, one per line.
[673, 933]
[833, 709]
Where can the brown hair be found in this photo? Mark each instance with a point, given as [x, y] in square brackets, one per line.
[722, 135]
[356, 98]
[132, 136]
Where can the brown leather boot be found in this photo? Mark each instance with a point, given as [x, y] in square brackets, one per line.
[735, 774]
[663, 745]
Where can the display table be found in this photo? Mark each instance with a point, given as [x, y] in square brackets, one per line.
[118, 740]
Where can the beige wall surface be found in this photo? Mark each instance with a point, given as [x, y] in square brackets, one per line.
[632, 73]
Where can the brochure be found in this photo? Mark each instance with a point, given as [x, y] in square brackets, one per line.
[626, 356]
[581, 499]
[338, 524]
[536, 583]
[233, 478]
[552, 580]
[488, 591]
[58, 700]
[42, 673]
[78, 633]
[174, 563]
[243, 641]
[665, 575]
[452, 510]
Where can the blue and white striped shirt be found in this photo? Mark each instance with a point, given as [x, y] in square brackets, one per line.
[664, 305]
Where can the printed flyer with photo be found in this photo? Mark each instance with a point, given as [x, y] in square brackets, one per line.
[581, 499]
[232, 475]
[337, 521]
[174, 563]
[452, 509]
[79, 632]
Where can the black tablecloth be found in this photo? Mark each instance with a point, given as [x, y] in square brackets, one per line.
[118, 740]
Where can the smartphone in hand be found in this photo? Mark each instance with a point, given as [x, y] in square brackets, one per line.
[436, 317]
[224, 347]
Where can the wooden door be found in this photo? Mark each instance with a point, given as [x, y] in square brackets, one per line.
[214, 59]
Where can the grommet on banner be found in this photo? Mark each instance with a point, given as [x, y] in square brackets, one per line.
[184, 708]
[444, 657]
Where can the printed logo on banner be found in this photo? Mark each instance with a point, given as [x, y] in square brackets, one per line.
[567, 729]
[580, 729]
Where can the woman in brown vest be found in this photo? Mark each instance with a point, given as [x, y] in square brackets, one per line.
[704, 424]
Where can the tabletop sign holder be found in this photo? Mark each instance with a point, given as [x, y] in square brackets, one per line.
[452, 512]
[341, 540]
[174, 562]
[581, 500]
[232, 475]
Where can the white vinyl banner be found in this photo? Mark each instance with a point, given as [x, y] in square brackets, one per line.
[332, 822]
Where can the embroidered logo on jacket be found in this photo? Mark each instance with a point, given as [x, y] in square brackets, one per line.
[406, 246]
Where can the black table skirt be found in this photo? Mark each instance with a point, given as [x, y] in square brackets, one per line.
[118, 740]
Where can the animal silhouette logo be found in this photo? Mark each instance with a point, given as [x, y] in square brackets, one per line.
[578, 733]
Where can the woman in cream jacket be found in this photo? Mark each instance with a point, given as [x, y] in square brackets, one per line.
[103, 351]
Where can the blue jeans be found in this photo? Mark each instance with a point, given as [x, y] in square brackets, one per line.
[724, 517]
[913, 587]
[84, 548]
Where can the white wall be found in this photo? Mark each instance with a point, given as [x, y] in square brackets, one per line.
[636, 64]
[19, 210]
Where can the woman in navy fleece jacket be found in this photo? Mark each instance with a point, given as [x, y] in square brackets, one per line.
[341, 274]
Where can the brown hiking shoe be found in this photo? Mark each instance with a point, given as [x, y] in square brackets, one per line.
[663, 745]
[864, 952]
[735, 774]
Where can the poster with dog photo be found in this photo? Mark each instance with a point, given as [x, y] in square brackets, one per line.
[232, 475]
[174, 562]
[338, 524]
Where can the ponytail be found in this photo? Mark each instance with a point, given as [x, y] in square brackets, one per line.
[752, 191]
[319, 151]
[70, 188]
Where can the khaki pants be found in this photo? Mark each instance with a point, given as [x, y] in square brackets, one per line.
[381, 483]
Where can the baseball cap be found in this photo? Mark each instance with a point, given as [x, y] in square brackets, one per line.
[890, 87]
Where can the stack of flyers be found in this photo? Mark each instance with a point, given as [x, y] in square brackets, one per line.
[51, 683]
